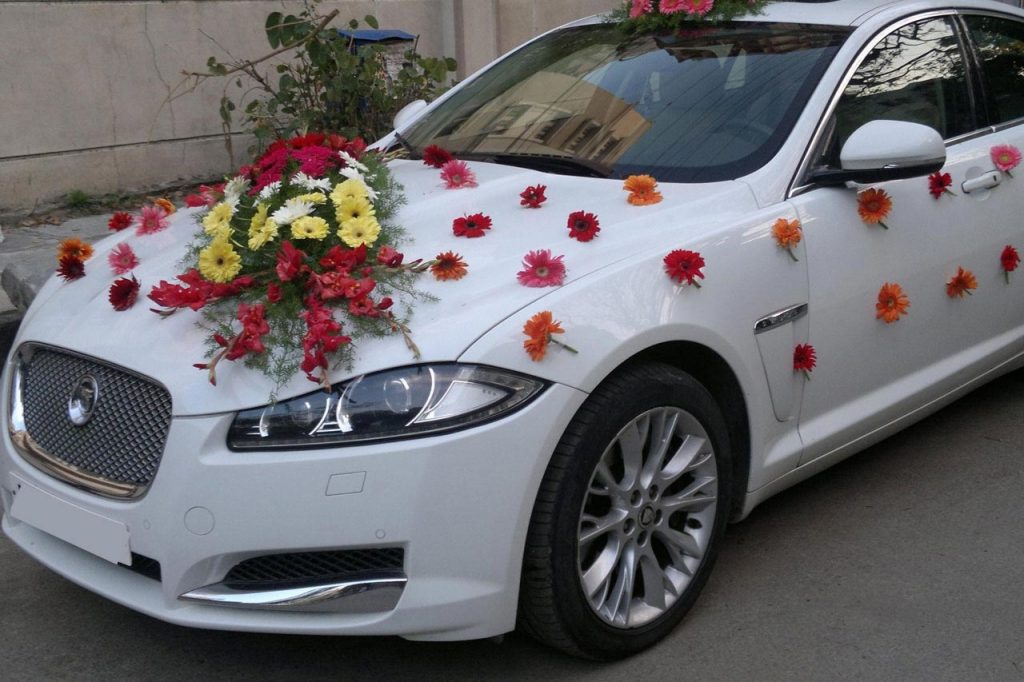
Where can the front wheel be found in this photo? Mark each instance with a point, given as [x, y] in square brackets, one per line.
[629, 516]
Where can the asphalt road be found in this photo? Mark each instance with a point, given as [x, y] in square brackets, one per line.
[905, 562]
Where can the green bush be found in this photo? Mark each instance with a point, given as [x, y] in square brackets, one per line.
[328, 84]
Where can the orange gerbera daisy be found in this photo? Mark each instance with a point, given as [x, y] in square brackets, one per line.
[74, 247]
[643, 190]
[166, 205]
[787, 234]
[892, 303]
[961, 283]
[539, 330]
[448, 266]
[874, 206]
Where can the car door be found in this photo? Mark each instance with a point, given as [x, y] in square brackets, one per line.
[901, 244]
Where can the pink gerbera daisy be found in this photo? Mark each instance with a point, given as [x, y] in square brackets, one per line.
[1006, 157]
[541, 269]
[122, 259]
[457, 174]
[153, 219]
[691, 7]
[639, 8]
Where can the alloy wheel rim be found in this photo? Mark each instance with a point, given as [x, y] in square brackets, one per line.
[647, 517]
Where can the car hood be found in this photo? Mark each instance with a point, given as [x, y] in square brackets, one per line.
[77, 315]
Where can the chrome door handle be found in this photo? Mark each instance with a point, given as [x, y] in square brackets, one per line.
[986, 181]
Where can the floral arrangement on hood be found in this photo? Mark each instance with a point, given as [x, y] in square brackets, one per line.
[645, 16]
[295, 261]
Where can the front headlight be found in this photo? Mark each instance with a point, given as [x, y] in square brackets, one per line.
[398, 403]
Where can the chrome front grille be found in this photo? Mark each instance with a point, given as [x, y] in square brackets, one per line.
[118, 450]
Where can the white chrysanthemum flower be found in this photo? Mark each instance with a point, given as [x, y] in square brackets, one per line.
[292, 209]
[270, 190]
[353, 174]
[235, 188]
[312, 184]
[351, 161]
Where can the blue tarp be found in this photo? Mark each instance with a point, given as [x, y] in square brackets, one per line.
[370, 35]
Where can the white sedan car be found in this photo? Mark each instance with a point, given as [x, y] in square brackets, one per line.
[830, 254]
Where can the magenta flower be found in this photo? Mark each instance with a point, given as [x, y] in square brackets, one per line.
[153, 219]
[672, 6]
[1006, 157]
[640, 7]
[122, 259]
[457, 174]
[541, 269]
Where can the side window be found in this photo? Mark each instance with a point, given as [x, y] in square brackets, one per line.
[1000, 43]
[916, 73]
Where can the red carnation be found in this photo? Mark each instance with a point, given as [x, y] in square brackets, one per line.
[583, 226]
[1010, 260]
[71, 268]
[682, 265]
[273, 293]
[290, 262]
[120, 221]
[435, 156]
[471, 225]
[123, 293]
[533, 197]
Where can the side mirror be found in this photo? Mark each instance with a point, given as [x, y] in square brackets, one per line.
[882, 150]
[408, 113]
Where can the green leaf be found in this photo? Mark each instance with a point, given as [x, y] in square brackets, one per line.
[371, 21]
[273, 29]
[288, 30]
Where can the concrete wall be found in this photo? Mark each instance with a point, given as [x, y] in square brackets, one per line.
[83, 84]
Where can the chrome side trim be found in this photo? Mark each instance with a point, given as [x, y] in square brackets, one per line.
[779, 318]
[371, 592]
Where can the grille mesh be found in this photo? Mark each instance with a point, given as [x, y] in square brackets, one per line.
[125, 438]
[313, 566]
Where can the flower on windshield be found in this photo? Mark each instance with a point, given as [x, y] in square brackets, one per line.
[436, 157]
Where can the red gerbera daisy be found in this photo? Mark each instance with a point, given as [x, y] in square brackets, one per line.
[583, 226]
[1010, 260]
[123, 293]
[804, 359]
[71, 268]
[448, 266]
[436, 157]
[938, 184]
[471, 225]
[533, 196]
[120, 221]
[685, 266]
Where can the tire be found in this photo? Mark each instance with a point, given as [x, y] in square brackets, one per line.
[600, 512]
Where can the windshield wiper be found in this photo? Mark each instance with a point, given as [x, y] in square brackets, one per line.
[566, 165]
[413, 154]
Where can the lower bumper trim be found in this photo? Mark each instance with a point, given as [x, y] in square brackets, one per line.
[370, 592]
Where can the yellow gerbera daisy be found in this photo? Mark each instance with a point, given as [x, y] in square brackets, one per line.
[218, 262]
[309, 227]
[363, 230]
[262, 229]
[353, 209]
[217, 222]
[350, 189]
[314, 198]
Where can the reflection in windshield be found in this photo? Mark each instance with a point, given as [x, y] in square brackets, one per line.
[694, 106]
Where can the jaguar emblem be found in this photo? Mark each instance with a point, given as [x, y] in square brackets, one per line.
[83, 400]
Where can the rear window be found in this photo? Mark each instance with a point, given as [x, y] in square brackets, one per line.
[703, 105]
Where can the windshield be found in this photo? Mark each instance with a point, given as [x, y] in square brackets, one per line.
[702, 105]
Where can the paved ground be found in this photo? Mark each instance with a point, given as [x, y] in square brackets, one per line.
[905, 562]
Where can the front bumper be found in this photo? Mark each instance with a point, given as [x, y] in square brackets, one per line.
[458, 504]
